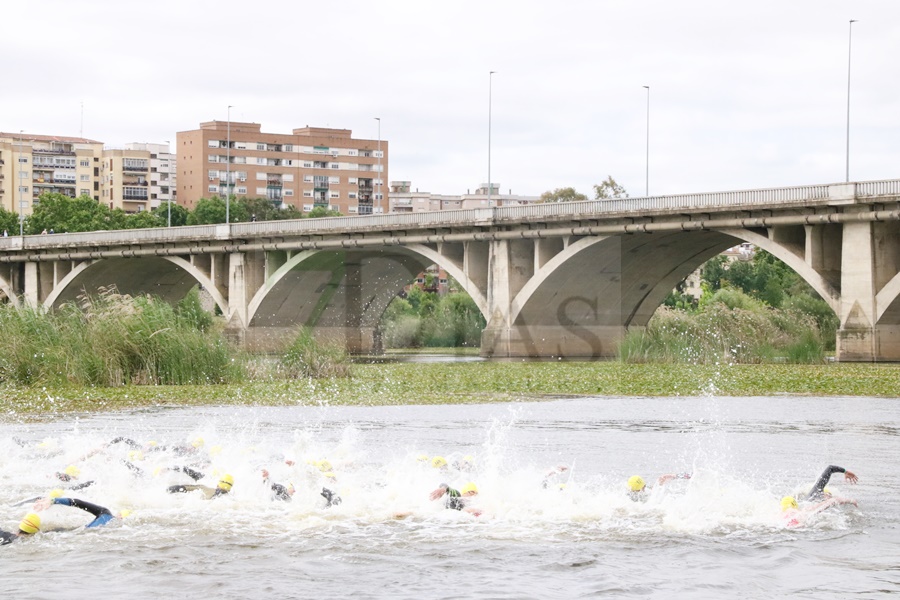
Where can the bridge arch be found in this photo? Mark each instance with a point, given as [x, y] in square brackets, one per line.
[168, 277]
[887, 302]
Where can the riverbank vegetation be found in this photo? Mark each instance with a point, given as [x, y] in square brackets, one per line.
[389, 384]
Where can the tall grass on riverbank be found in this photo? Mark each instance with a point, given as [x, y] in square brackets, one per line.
[113, 340]
[730, 328]
[308, 358]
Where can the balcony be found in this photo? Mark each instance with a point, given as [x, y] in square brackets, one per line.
[133, 169]
[134, 183]
[53, 151]
[127, 196]
[367, 188]
[274, 182]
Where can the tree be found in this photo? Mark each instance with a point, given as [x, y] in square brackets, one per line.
[9, 222]
[320, 211]
[563, 195]
[210, 211]
[63, 214]
[179, 214]
[609, 189]
[142, 220]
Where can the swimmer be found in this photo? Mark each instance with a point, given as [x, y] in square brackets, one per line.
[223, 487]
[552, 476]
[818, 490]
[795, 516]
[457, 499]
[282, 492]
[102, 515]
[30, 524]
[639, 491]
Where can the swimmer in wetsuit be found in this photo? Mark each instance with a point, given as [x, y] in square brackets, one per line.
[30, 524]
[102, 515]
[818, 490]
[457, 499]
[223, 487]
[639, 491]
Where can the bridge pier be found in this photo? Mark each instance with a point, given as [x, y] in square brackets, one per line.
[542, 341]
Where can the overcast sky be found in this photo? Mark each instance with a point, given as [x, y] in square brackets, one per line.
[743, 94]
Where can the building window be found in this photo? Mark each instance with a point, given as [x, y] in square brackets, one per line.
[213, 189]
[261, 176]
[307, 207]
[334, 180]
[85, 192]
[352, 181]
[334, 194]
[308, 178]
[260, 160]
[288, 192]
[213, 158]
[260, 146]
[378, 154]
[288, 147]
[213, 174]
[242, 190]
[85, 178]
[306, 194]
[307, 165]
[352, 195]
[213, 143]
[351, 153]
[85, 163]
[335, 165]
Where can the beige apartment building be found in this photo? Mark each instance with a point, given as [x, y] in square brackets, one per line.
[310, 167]
[403, 199]
[31, 165]
[138, 177]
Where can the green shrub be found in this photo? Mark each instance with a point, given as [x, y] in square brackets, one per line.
[307, 357]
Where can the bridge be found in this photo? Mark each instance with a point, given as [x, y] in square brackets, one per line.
[566, 279]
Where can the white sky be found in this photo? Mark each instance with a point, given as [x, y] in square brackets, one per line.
[744, 94]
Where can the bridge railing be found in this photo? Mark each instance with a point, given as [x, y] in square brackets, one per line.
[460, 217]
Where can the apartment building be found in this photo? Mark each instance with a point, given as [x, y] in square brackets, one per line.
[307, 168]
[31, 165]
[163, 172]
[404, 200]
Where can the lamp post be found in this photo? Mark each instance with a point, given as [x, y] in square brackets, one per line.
[19, 173]
[228, 170]
[647, 159]
[490, 89]
[378, 189]
[849, 50]
[169, 203]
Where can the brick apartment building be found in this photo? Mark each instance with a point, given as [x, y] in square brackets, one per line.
[307, 168]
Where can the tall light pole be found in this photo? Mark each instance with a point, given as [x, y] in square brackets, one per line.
[377, 195]
[19, 173]
[169, 216]
[647, 159]
[228, 170]
[490, 89]
[849, 50]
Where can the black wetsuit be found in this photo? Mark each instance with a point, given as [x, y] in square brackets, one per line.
[208, 491]
[332, 498]
[454, 501]
[818, 490]
[281, 492]
[102, 515]
[7, 538]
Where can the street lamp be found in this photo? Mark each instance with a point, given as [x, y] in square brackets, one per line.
[19, 169]
[228, 170]
[490, 89]
[169, 216]
[647, 159]
[849, 50]
[377, 195]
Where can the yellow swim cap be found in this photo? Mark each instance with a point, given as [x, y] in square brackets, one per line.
[469, 487]
[324, 465]
[788, 502]
[198, 442]
[135, 455]
[31, 523]
[151, 443]
[72, 471]
[226, 483]
[438, 461]
[55, 493]
[636, 483]
[124, 513]
[329, 475]
[422, 458]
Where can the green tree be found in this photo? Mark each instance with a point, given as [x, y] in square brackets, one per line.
[179, 214]
[210, 211]
[68, 215]
[9, 222]
[142, 220]
[320, 211]
[609, 189]
[563, 195]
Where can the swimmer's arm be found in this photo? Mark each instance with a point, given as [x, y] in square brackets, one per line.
[94, 509]
[439, 492]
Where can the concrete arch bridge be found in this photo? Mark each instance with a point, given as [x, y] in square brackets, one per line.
[563, 279]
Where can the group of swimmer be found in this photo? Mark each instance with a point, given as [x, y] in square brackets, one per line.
[794, 508]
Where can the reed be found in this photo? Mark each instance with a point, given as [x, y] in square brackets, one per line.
[308, 358]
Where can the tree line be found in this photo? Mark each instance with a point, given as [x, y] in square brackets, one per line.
[61, 214]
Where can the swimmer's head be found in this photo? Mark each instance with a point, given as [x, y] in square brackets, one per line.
[470, 489]
[291, 489]
[124, 514]
[788, 502]
[636, 483]
[55, 493]
[198, 442]
[72, 471]
[423, 458]
[31, 523]
[827, 492]
[324, 465]
[438, 462]
[226, 483]
[329, 475]
[135, 455]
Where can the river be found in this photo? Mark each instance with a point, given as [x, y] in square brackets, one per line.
[720, 534]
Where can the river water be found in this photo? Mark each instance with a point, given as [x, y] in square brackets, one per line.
[719, 534]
